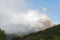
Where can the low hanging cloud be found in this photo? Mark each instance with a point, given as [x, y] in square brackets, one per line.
[15, 17]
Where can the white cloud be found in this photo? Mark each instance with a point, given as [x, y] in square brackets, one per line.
[16, 17]
[44, 9]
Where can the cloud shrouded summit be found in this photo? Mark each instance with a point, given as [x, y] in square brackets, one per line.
[15, 17]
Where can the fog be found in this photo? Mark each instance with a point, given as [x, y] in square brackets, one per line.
[16, 17]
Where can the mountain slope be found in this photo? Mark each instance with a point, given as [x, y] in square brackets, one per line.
[48, 34]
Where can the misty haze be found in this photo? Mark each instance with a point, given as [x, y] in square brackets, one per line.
[22, 17]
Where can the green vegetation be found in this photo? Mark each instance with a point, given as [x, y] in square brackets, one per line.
[2, 35]
[48, 34]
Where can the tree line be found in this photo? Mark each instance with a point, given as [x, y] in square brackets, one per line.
[52, 33]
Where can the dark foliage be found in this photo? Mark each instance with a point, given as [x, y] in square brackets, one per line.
[2, 35]
[48, 34]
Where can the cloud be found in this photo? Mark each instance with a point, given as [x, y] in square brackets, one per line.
[17, 18]
[44, 9]
[25, 23]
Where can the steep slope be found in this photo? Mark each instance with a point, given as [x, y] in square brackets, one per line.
[48, 34]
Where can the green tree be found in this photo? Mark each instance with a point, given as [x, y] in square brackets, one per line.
[2, 35]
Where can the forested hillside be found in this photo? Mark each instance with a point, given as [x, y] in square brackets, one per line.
[48, 34]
